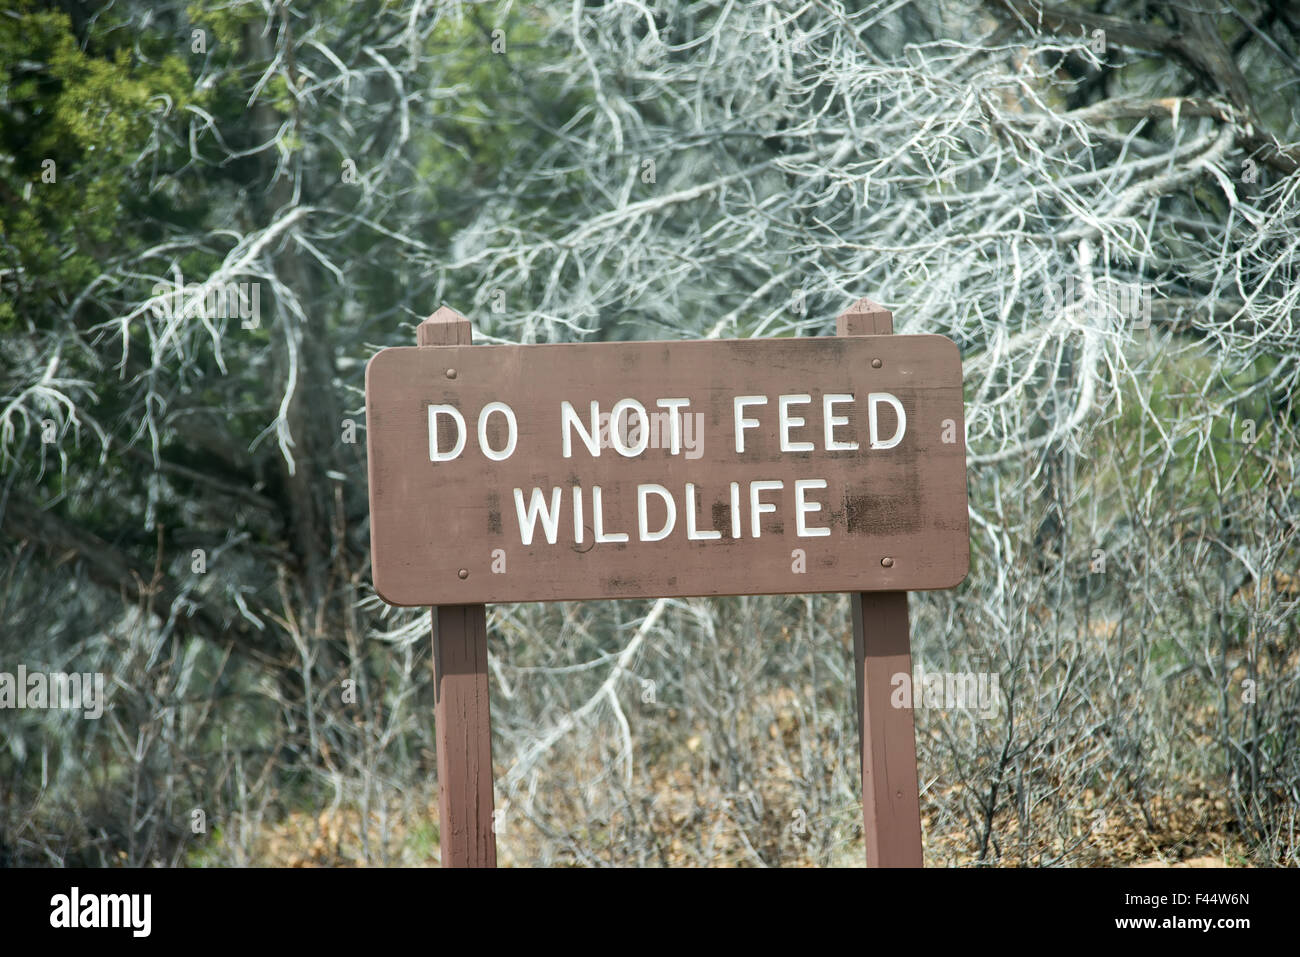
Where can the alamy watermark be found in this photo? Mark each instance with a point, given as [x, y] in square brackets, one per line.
[1103, 299]
[969, 690]
[212, 300]
[658, 429]
[78, 910]
[57, 689]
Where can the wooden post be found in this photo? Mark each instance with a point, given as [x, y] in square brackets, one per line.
[462, 716]
[891, 801]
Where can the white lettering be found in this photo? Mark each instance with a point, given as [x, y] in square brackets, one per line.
[872, 401]
[577, 514]
[674, 422]
[643, 521]
[569, 420]
[598, 517]
[537, 509]
[788, 421]
[735, 511]
[512, 431]
[743, 423]
[757, 508]
[692, 534]
[801, 508]
[434, 412]
[829, 401]
[616, 432]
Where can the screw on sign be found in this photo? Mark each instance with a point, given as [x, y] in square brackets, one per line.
[627, 470]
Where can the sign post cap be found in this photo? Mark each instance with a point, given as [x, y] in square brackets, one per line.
[446, 327]
[866, 317]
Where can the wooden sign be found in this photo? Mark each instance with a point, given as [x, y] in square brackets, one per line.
[666, 469]
[661, 469]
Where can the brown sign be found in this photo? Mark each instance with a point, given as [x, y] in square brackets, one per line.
[666, 469]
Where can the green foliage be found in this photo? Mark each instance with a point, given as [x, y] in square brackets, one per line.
[77, 124]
